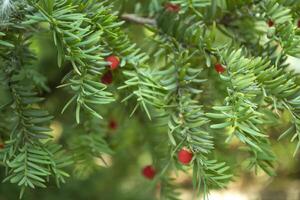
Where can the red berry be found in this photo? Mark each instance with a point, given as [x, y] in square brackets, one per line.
[114, 61]
[219, 68]
[112, 124]
[1, 146]
[172, 7]
[298, 24]
[270, 23]
[107, 78]
[185, 156]
[149, 172]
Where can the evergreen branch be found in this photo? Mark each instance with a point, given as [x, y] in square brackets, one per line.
[80, 45]
[168, 190]
[175, 81]
[139, 78]
[281, 89]
[185, 118]
[89, 147]
[240, 110]
[29, 155]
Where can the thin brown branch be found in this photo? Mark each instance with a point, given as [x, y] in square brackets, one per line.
[137, 19]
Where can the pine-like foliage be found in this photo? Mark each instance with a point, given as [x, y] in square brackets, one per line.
[171, 76]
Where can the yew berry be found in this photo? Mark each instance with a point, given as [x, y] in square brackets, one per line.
[270, 23]
[107, 78]
[171, 7]
[113, 61]
[219, 68]
[149, 172]
[112, 124]
[1, 146]
[185, 156]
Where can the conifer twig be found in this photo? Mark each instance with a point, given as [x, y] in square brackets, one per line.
[137, 19]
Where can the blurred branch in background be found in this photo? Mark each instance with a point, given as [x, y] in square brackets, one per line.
[137, 19]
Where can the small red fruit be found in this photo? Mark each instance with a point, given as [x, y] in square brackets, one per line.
[107, 78]
[112, 124]
[270, 23]
[1, 146]
[149, 172]
[219, 68]
[298, 24]
[114, 61]
[185, 156]
[171, 7]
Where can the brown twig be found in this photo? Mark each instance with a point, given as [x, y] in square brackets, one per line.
[137, 19]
